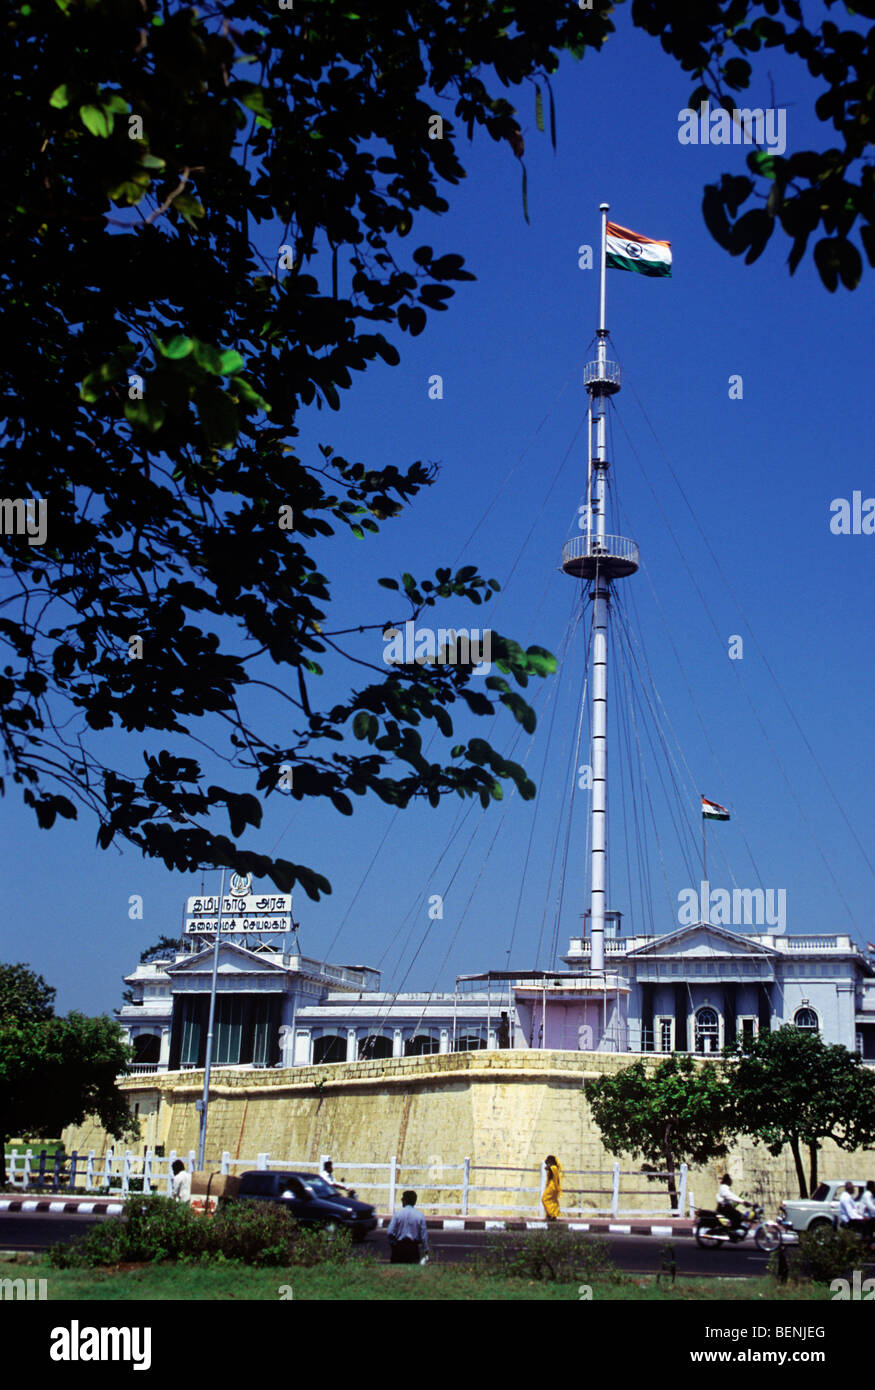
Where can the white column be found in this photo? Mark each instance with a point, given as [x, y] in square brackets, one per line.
[351, 1045]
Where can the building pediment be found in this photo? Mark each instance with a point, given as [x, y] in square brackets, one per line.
[233, 960]
[701, 939]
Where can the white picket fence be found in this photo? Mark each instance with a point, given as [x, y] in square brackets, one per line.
[460, 1189]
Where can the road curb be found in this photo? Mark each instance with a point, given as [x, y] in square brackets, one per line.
[89, 1206]
[633, 1228]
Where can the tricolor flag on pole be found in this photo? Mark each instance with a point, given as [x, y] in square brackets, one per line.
[627, 250]
[711, 811]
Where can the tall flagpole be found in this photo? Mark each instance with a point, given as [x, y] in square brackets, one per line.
[599, 559]
[600, 599]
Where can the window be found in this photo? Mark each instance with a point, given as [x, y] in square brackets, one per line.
[261, 1033]
[191, 1042]
[329, 1048]
[806, 1021]
[707, 1031]
[420, 1046]
[664, 1034]
[374, 1046]
[229, 1026]
[747, 1030]
[469, 1042]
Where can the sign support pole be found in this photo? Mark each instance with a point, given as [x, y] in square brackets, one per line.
[208, 1059]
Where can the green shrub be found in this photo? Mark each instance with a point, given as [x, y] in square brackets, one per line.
[821, 1256]
[554, 1255]
[152, 1229]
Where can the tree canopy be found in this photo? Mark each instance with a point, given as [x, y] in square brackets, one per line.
[790, 1087]
[206, 217]
[677, 1112]
[56, 1071]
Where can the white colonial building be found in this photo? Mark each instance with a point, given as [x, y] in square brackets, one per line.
[695, 989]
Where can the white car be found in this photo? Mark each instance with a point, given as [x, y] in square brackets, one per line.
[821, 1209]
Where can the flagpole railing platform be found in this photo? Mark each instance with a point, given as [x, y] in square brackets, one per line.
[613, 557]
[602, 378]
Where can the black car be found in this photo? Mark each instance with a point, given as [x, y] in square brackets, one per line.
[310, 1199]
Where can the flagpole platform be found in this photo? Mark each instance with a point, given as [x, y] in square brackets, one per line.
[602, 378]
[612, 557]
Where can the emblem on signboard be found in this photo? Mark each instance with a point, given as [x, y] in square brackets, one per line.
[241, 884]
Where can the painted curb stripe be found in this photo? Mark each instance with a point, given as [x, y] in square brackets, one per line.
[621, 1230]
[495, 1226]
[30, 1206]
[450, 1225]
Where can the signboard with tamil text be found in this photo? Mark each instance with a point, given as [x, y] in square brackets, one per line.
[241, 912]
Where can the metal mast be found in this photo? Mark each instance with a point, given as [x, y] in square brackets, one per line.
[600, 559]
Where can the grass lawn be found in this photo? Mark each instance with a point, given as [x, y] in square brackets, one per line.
[371, 1281]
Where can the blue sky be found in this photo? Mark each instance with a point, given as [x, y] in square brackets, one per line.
[758, 475]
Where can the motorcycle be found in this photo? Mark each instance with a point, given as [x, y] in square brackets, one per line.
[713, 1228]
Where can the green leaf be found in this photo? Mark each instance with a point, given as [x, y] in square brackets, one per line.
[230, 361]
[208, 357]
[218, 417]
[145, 414]
[60, 97]
[97, 120]
[539, 108]
[177, 348]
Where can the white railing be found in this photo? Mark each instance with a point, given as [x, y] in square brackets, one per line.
[617, 547]
[607, 371]
[450, 1189]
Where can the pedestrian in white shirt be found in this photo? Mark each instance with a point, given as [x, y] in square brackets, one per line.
[181, 1187]
[849, 1212]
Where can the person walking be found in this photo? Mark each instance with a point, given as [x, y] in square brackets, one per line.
[181, 1186]
[553, 1188]
[408, 1233]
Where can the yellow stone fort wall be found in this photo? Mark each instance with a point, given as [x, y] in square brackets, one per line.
[506, 1108]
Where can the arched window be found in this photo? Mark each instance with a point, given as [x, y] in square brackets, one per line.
[707, 1030]
[806, 1021]
[147, 1047]
[469, 1042]
[421, 1046]
[374, 1046]
[329, 1048]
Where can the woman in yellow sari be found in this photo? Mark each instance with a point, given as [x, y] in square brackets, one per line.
[553, 1190]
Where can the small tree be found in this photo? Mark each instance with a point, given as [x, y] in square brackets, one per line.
[55, 1071]
[676, 1113]
[790, 1087]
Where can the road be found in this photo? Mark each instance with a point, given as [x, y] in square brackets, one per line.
[635, 1254]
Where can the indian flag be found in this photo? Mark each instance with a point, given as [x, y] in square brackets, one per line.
[631, 251]
[711, 811]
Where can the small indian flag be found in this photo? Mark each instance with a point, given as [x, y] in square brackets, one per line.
[631, 251]
[711, 811]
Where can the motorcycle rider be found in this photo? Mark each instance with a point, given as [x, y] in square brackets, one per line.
[726, 1202]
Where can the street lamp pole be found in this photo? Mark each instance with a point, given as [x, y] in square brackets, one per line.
[208, 1059]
